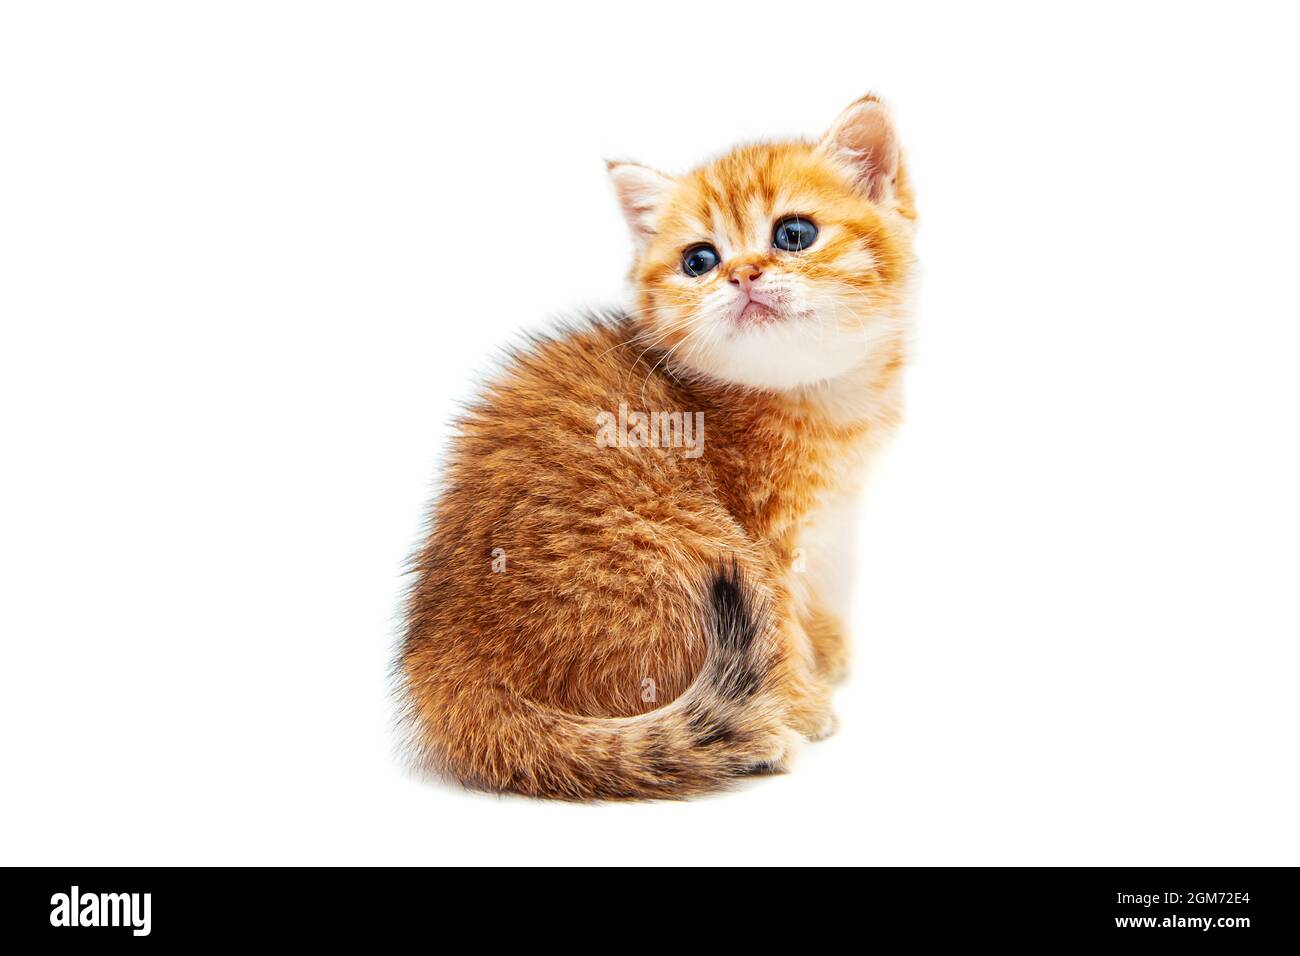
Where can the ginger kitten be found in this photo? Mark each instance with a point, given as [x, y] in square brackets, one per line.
[636, 575]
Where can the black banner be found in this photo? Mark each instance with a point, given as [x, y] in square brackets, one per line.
[1224, 908]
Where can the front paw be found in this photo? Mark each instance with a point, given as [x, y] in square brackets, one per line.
[830, 646]
[816, 723]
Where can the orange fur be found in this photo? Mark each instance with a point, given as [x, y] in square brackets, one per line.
[604, 622]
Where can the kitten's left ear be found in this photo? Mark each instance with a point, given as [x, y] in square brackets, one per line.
[642, 193]
[864, 138]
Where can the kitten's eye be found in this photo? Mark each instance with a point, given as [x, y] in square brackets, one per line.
[698, 260]
[794, 234]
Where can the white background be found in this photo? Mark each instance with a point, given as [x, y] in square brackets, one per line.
[251, 254]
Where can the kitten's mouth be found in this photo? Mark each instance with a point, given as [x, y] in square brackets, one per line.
[756, 313]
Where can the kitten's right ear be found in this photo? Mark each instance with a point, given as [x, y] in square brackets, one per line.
[641, 193]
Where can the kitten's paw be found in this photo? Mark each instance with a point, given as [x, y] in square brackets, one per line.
[830, 645]
[824, 726]
[815, 723]
[777, 752]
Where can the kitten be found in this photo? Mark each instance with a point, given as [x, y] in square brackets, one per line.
[635, 580]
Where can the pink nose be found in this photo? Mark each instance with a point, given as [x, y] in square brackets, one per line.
[745, 275]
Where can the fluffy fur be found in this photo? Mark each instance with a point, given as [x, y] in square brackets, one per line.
[613, 622]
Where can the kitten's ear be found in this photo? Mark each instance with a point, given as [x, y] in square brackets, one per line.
[864, 138]
[641, 192]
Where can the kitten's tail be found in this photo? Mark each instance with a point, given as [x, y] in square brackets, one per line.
[727, 724]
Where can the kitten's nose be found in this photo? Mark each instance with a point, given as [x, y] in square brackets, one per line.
[744, 275]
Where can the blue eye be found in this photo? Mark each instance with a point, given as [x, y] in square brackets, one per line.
[698, 260]
[794, 234]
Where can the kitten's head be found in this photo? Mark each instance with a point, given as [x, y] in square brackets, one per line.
[777, 265]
